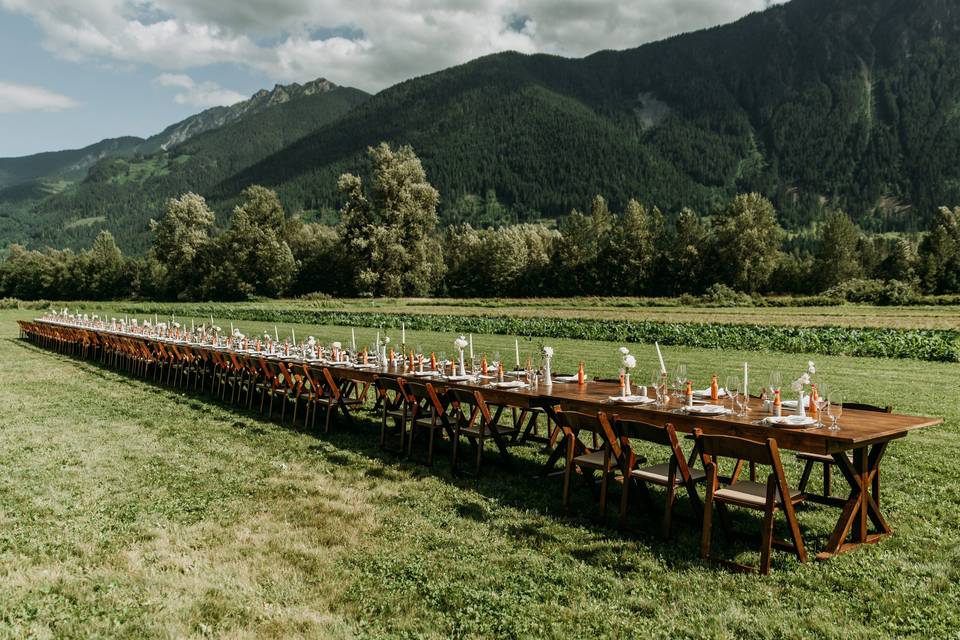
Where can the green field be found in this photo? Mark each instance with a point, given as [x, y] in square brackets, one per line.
[134, 510]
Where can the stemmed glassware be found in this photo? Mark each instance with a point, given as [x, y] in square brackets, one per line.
[658, 390]
[823, 399]
[680, 379]
[834, 410]
[775, 381]
[733, 389]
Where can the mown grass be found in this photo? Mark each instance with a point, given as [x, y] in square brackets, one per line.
[134, 510]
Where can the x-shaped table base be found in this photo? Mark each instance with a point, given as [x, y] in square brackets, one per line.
[861, 505]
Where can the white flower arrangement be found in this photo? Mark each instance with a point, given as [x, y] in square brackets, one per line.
[624, 351]
[629, 362]
[335, 345]
[386, 340]
[461, 343]
[800, 382]
[217, 330]
[175, 325]
[266, 336]
[311, 342]
[548, 352]
[810, 368]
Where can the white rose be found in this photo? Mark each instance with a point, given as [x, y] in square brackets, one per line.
[624, 350]
[629, 361]
[335, 345]
[548, 352]
[810, 368]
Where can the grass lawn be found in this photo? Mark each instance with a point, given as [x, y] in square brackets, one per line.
[133, 510]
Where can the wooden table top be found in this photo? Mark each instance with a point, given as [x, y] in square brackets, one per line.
[858, 428]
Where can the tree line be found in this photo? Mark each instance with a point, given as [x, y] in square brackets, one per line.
[388, 243]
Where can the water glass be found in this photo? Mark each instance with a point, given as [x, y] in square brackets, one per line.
[680, 379]
[733, 390]
[834, 410]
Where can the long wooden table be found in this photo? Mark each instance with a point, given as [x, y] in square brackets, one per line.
[865, 434]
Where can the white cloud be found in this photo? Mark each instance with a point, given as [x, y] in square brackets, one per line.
[366, 43]
[23, 97]
[198, 94]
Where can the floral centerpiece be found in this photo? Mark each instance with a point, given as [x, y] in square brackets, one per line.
[629, 362]
[547, 357]
[800, 384]
[460, 344]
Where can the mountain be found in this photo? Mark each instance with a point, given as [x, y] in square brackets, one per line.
[121, 192]
[217, 117]
[70, 164]
[815, 103]
[853, 104]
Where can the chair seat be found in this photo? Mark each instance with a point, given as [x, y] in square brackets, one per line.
[751, 494]
[660, 474]
[396, 413]
[427, 421]
[593, 460]
[476, 429]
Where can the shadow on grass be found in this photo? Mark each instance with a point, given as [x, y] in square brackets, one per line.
[521, 485]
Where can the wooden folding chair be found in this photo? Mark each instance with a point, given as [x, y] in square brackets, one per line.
[427, 410]
[770, 498]
[671, 474]
[828, 463]
[605, 458]
[394, 403]
[473, 420]
[334, 397]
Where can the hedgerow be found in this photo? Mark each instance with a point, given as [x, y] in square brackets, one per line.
[922, 344]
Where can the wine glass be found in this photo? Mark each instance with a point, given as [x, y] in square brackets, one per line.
[775, 381]
[733, 390]
[659, 390]
[821, 402]
[680, 378]
[834, 410]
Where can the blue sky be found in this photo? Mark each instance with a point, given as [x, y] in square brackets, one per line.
[77, 71]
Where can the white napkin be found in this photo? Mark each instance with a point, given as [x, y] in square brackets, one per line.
[575, 378]
[632, 399]
[512, 384]
[790, 421]
[705, 393]
[708, 409]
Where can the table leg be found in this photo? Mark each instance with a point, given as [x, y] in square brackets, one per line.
[860, 505]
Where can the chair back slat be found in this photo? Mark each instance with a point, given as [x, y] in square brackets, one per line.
[738, 448]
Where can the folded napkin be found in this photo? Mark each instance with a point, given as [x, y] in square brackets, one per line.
[705, 393]
[566, 378]
[789, 421]
[708, 409]
[512, 384]
[458, 378]
[792, 404]
[632, 399]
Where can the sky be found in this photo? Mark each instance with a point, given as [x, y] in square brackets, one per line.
[76, 71]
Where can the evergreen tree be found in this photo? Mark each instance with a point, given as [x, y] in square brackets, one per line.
[181, 242]
[748, 242]
[389, 232]
[837, 257]
[107, 269]
[629, 256]
[688, 251]
[940, 253]
[253, 257]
